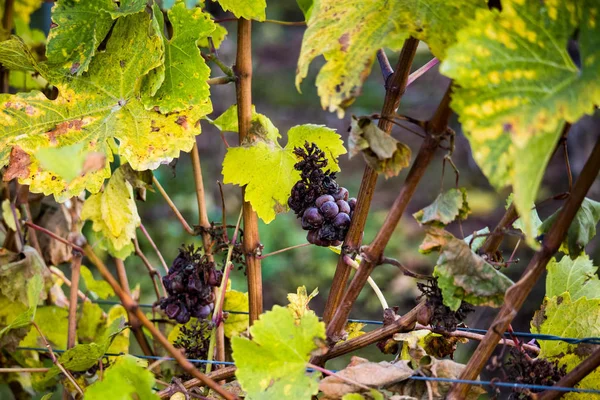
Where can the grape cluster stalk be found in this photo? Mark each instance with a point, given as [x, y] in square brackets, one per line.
[190, 284]
[324, 206]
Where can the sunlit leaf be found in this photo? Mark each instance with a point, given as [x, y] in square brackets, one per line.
[273, 364]
[517, 84]
[270, 180]
[261, 126]
[98, 288]
[299, 301]
[248, 9]
[348, 33]
[579, 277]
[7, 215]
[236, 323]
[114, 215]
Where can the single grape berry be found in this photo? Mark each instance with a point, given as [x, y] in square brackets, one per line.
[341, 194]
[352, 203]
[341, 221]
[323, 199]
[312, 217]
[343, 206]
[312, 236]
[329, 209]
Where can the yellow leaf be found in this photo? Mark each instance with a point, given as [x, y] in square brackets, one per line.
[299, 301]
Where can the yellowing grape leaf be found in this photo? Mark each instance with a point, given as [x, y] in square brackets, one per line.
[248, 9]
[127, 378]
[272, 176]
[354, 330]
[184, 73]
[381, 151]
[578, 277]
[447, 207]
[96, 108]
[299, 301]
[34, 289]
[8, 216]
[562, 316]
[517, 84]
[348, 34]
[114, 215]
[90, 323]
[464, 275]
[78, 29]
[99, 289]
[260, 125]
[582, 229]
[238, 321]
[273, 364]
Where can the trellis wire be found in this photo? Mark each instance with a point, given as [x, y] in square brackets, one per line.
[526, 335]
[414, 377]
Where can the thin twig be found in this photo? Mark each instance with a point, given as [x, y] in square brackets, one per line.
[173, 207]
[567, 163]
[384, 64]
[158, 253]
[22, 370]
[371, 282]
[220, 374]
[133, 307]
[55, 360]
[53, 236]
[338, 376]
[154, 275]
[418, 73]
[220, 80]
[284, 250]
[401, 267]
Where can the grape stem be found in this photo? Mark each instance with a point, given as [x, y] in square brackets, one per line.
[173, 207]
[53, 236]
[158, 253]
[283, 250]
[405, 270]
[349, 261]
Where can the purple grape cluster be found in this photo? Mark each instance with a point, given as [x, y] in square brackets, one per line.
[323, 205]
[190, 284]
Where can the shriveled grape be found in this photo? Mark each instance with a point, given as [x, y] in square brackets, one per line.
[343, 206]
[329, 209]
[312, 217]
[323, 199]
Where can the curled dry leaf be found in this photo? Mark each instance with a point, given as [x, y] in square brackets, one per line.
[382, 152]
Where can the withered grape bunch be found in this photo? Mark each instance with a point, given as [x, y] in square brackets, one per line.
[190, 284]
[322, 204]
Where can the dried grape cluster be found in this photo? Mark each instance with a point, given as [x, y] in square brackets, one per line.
[438, 315]
[195, 339]
[322, 204]
[190, 283]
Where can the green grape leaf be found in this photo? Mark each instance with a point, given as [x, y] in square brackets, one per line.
[119, 337]
[78, 29]
[582, 229]
[273, 364]
[8, 217]
[464, 276]
[96, 108]
[306, 6]
[70, 162]
[114, 215]
[53, 323]
[260, 125]
[184, 73]
[99, 289]
[447, 207]
[248, 9]
[15, 275]
[299, 301]
[534, 217]
[578, 277]
[562, 316]
[517, 84]
[127, 378]
[382, 152]
[269, 182]
[235, 324]
[348, 34]
[34, 289]
[90, 323]
[16, 56]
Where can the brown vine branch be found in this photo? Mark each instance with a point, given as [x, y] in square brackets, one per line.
[251, 241]
[373, 253]
[394, 92]
[572, 378]
[134, 322]
[132, 306]
[384, 64]
[517, 294]
[404, 269]
[54, 236]
[173, 207]
[493, 241]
